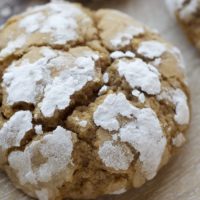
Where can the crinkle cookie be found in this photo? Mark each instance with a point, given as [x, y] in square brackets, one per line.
[92, 102]
[187, 14]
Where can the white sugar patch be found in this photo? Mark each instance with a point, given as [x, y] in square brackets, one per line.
[103, 90]
[55, 151]
[31, 23]
[15, 129]
[139, 95]
[106, 77]
[124, 38]
[156, 62]
[113, 105]
[179, 140]
[143, 131]
[38, 129]
[60, 21]
[120, 54]
[25, 82]
[120, 191]
[55, 94]
[179, 99]
[151, 49]
[117, 156]
[12, 46]
[140, 74]
[49, 76]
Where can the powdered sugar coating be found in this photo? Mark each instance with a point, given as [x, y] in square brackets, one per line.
[120, 191]
[38, 129]
[54, 150]
[179, 99]
[140, 74]
[146, 136]
[117, 156]
[151, 49]
[113, 105]
[94, 32]
[120, 54]
[55, 94]
[15, 129]
[12, 46]
[142, 131]
[139, 95]
[124, 38]
[64, 14]
[106, 77]
[103, 90]
[24, 82]
[49, 76]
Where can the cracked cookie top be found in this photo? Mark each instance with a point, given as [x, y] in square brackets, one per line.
[92, 102]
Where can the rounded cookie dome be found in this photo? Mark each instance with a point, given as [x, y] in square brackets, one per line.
[92, 102]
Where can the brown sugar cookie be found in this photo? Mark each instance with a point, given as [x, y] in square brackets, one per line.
[187, 14]
[92, 102]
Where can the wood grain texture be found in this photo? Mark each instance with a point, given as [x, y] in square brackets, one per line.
[180, 179]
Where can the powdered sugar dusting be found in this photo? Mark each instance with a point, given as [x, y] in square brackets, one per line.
[57, 19]
[103, 90]
[139, 95]
[49, 76]
[113, 105]
[151, 49]
[56, 96]
[179, 99]
[31, 23]
[106, 77]
[142, 131]
[38, 129]
[45, 158]
[117, 156]
[140, 74]
[14, 130]
[12, 46]
[120, 191]
[24, 82]
[120, 54]
[124, 38]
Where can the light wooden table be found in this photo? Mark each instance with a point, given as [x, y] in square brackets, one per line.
[179, 180]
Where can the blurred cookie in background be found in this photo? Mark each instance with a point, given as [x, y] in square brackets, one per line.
[11, 7]
[187, 13]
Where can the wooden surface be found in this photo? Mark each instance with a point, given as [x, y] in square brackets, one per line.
[180, 179]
